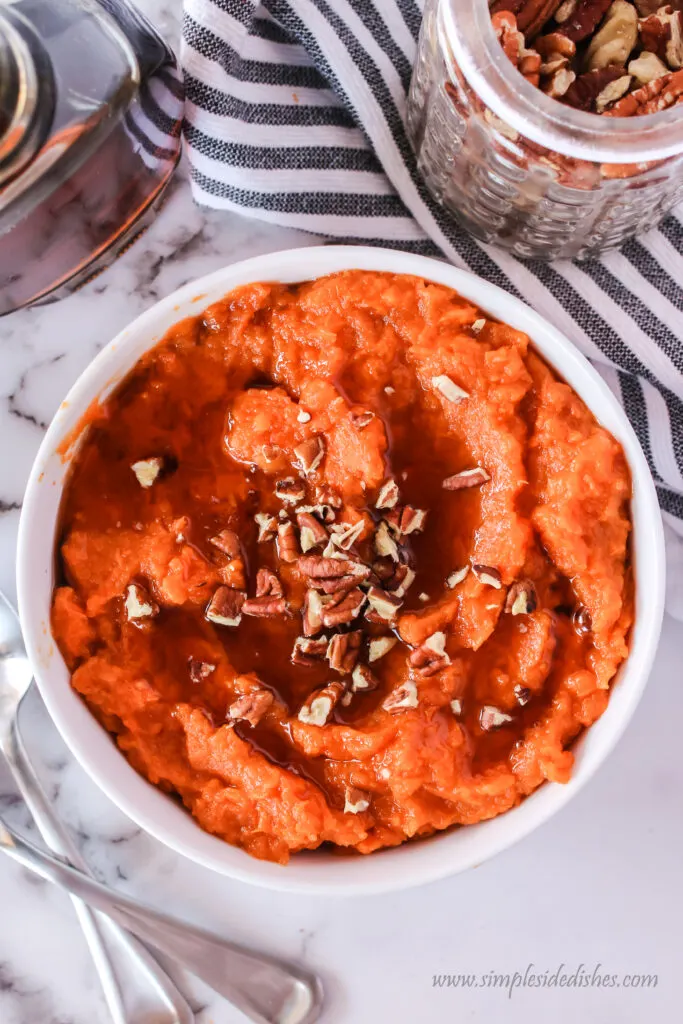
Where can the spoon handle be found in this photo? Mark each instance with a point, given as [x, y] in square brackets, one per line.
[265, 989]
[134, 985]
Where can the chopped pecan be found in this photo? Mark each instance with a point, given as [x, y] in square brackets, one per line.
[404, 696]
[342, 651]
[199, 670]
[309, 650]
[522, 694]
[355, 800]
[310, 454]
[383, 605]
[385, 545]
[466, 478]
[507, 32]
[339, 613]
[147, 470]
[311, 532]
[362, 419]
[662, 34]
[650, 99]
[225, 607]
[492, 718]
[565, 11]
[583, 93]
[532, 15]
[388, 494]
[267, 526]
[316, 567]
[345, 536]
[616, 37]
[457, 577]
[326, 495]
[228, 542]
[611, 93]
[406, 520]
[138, 604]
[380, 646]
[488, 575]
[558, 82]
[250, 707]
[290, 490]
[312, 613]
[431, 656]
[363, 680]
[268, 583]
[456, 706]
[319, 706]
[287, 544]
[521, 598]
[647, 7]
[384, 568]
[266, 607]
[555, 46]
[584, 19]
[647, 68]
[451, 391]
[400, 580]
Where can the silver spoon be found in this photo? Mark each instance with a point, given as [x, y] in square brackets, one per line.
[267, 990]
[136, 967]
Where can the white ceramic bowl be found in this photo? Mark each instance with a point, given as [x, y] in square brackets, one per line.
[412, 863]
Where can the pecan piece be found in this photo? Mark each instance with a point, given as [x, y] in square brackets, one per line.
[466, 478]
[616, 37]
[431, 656]
[650, 99]
[268, 583]
[380, 646]
[250, 707]
[362, 419]
[147, 471]
[522, 694]
[451, 391]
[225, 607]
[309, 650]
[228, 542]
[584, 19]
[457, 577]
[492, 718]
[340, 613]
[312, 613]
[287, 544]
[317, 567]
[267, 526]
[319, 706]
[310, 454]
[385, 545]
[404, 696]
[488, 575]
[400, 580]
[326, 495]
[558, 82]
[383, 605]
[647, 68]
[266, 607]
[138, 604]
[363, 680]
[311, 532]
[199, 670]
[611, 93]
[342, 651]
[406, 520]
[345, 536]
[663, 34]
[290, 490]
[355, 800]
[583, 93]
[521, 598]
[388, 494]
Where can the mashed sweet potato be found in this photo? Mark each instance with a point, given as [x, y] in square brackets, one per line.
[344, 562]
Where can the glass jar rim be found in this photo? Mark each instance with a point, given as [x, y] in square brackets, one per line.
[469, 35]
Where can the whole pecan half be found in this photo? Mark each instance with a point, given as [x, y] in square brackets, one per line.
[267, 607]
[340, 613]
[583, 93]
[268, 582]
[225, 607]
[651, 98]
[586, 17]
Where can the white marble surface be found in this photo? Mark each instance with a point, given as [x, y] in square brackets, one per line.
[598, 884]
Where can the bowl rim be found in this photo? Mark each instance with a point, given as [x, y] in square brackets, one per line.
[412, 863]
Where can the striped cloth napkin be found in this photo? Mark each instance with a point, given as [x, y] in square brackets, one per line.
[295, 114]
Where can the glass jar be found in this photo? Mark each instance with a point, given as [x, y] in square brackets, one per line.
[521, 170]
[90, 117]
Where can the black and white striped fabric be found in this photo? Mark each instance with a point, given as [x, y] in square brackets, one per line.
[295, 114]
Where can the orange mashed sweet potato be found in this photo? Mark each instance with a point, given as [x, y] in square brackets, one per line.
[344, 563]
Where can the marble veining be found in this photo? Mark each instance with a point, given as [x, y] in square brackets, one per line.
[601, 882]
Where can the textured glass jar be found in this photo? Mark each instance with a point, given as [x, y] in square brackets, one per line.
[524, 171]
